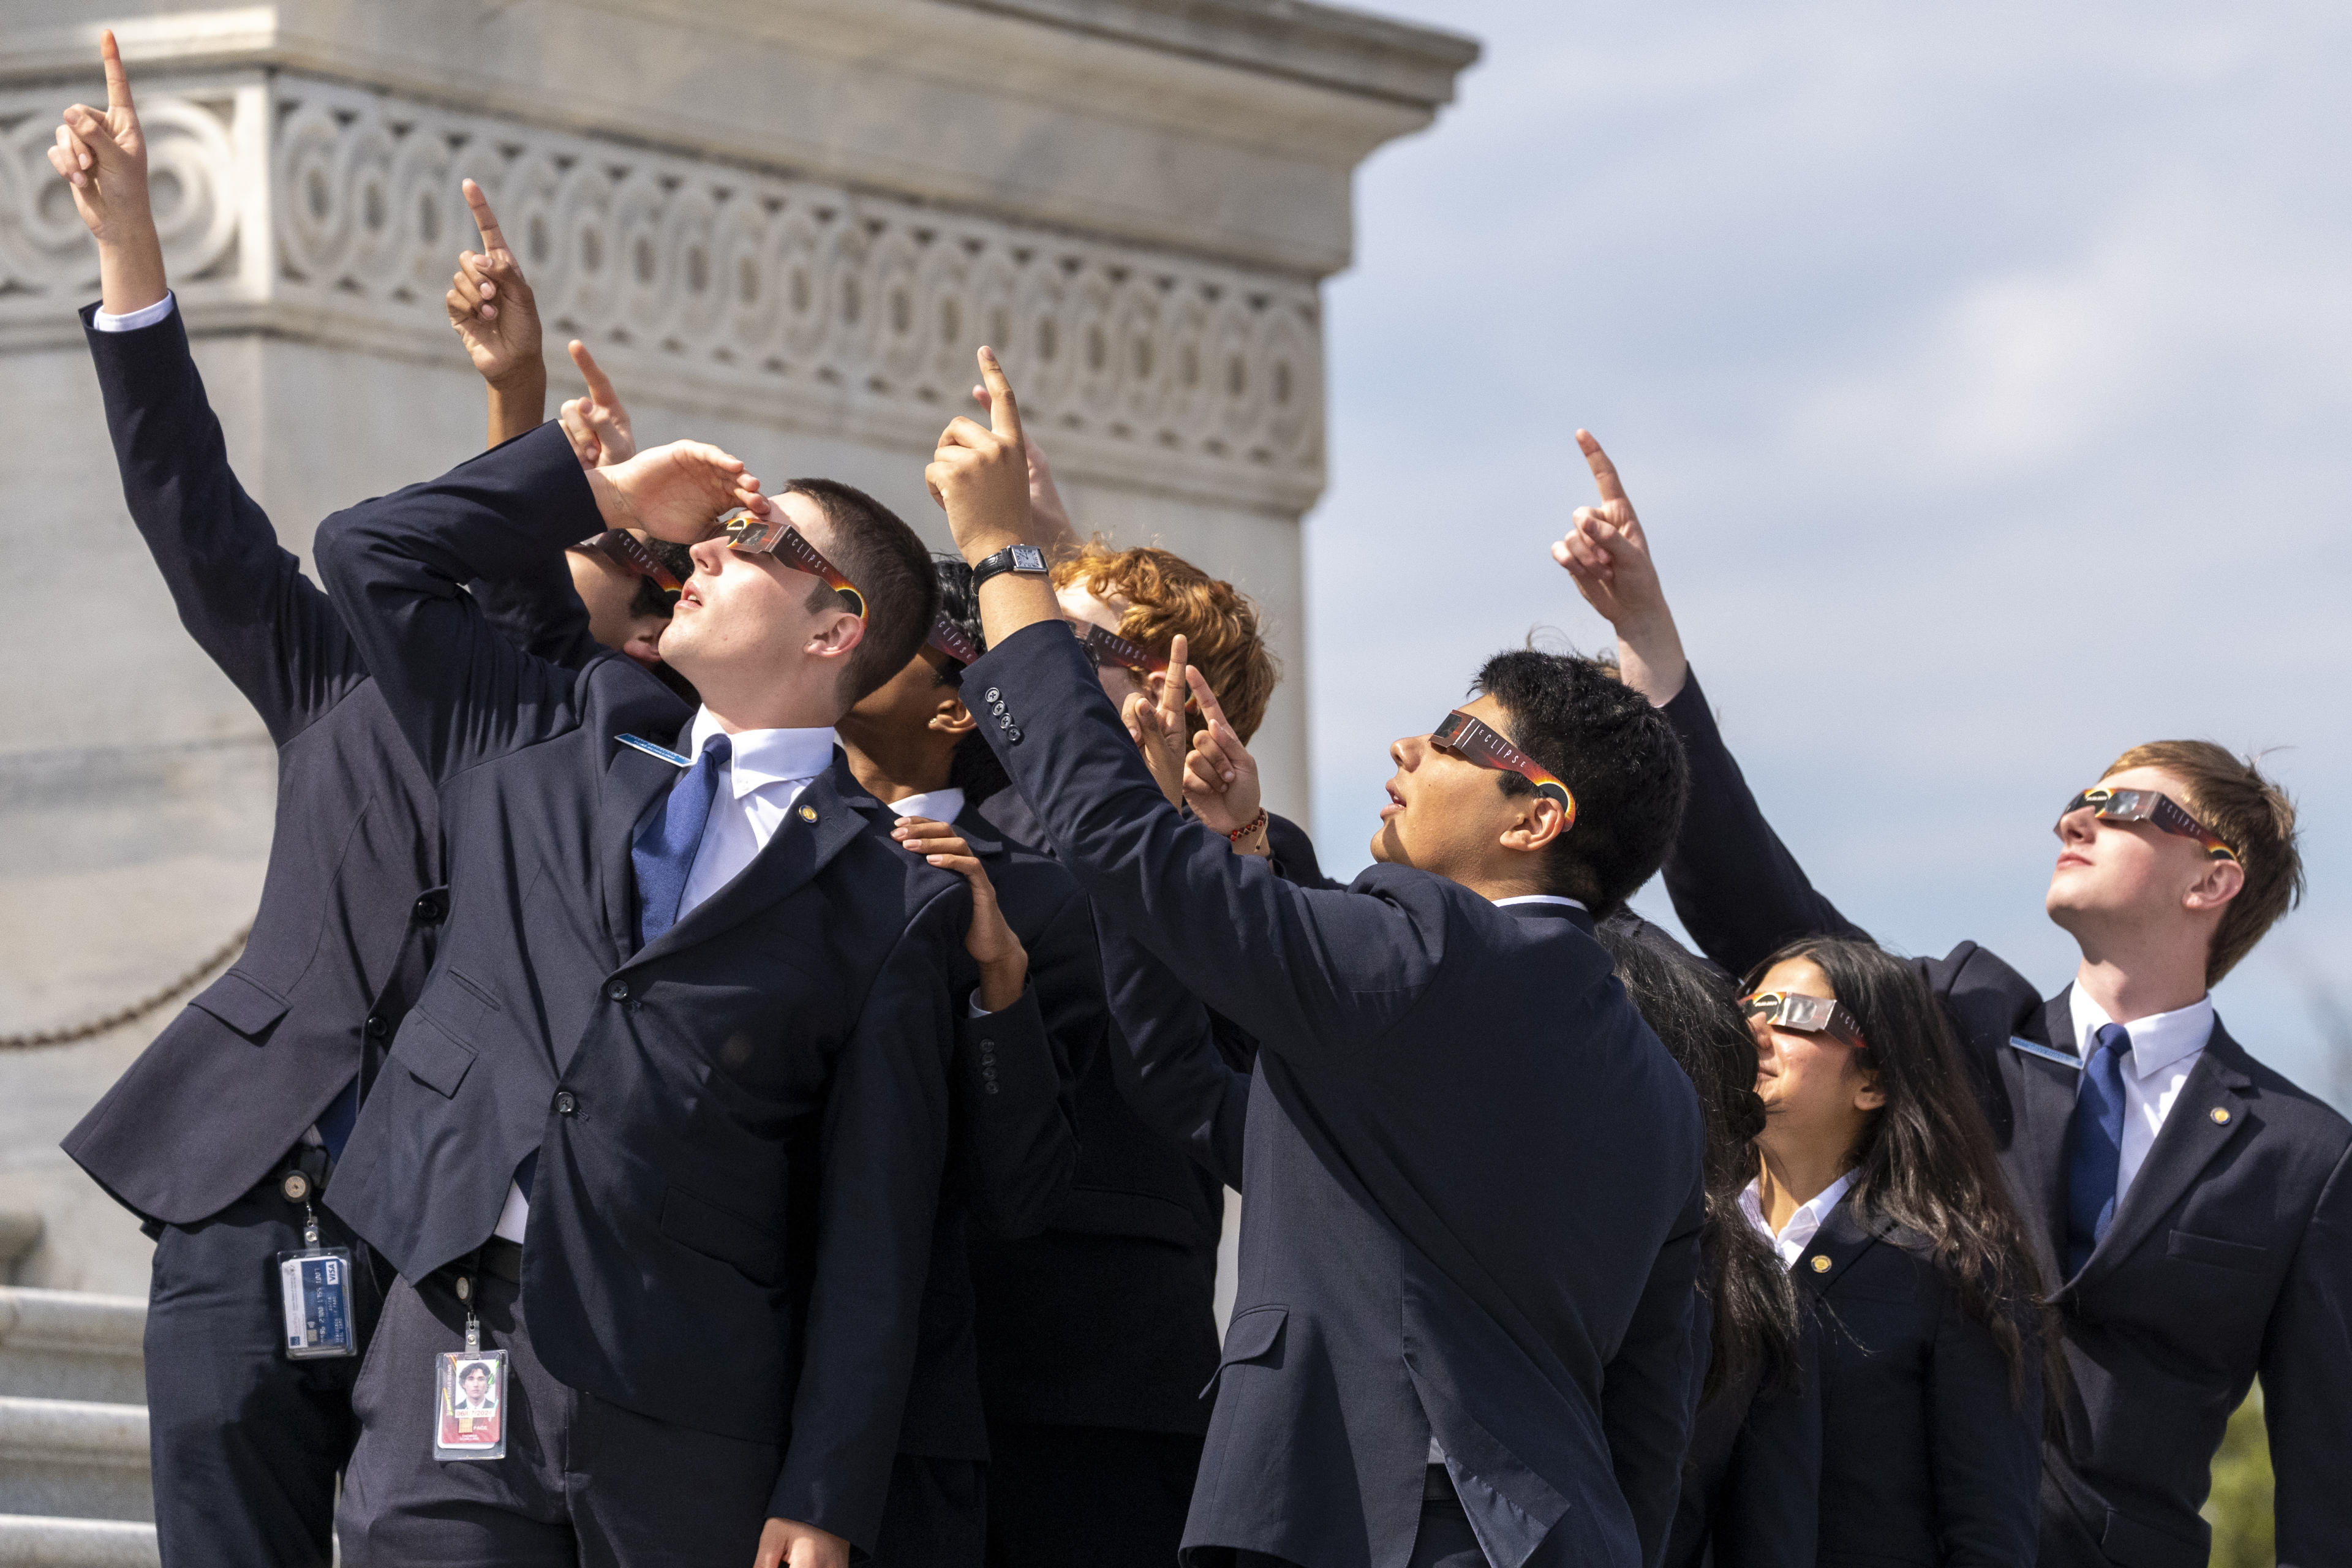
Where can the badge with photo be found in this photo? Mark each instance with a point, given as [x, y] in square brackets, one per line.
[469, 1405]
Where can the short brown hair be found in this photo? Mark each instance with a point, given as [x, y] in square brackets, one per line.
[892, 568]
[1165, 594]
[2254, 818]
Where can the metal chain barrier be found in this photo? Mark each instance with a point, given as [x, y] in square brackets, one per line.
[139, 1009]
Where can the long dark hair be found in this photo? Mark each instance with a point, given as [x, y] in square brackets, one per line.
[1926, 1158]
[1691, 1007]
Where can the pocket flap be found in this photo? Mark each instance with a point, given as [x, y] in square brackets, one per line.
[433, 1057]
[1253, 1333]
[245, 1006]
[712, 1231]
[2214, 1250]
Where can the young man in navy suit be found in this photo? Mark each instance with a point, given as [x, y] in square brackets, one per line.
[2192, 1209]
[1468, 1260]
[669, 1121]
[223, 1133]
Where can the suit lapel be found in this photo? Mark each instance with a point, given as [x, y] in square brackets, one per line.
[1843, 1237]
[633, 783]
[2046, 1104]
[978, 835]
[827, 815]
[2209, 1112]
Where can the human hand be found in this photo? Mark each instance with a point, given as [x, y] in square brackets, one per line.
[102, 155]
[1156, 724]
[676, 492]
[980, 475]
[490, 304]
[597, 424]
[1004, 962]
[1049, 519]
[1221, 779]
[788, 1543]
[1608, 556]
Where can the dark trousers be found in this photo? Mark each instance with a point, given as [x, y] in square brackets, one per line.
[246, 1444]
[1088, 1497]
[584, 1481]
[1445, 1539]
[935, 1515]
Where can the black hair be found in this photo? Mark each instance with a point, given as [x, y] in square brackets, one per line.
[1618, 756]
[471, 1368]
[1692, 1008]
[649, 598]
[1926, 1160]
[892, 570]
[973, 767]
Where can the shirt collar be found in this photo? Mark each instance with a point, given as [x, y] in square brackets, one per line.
[761, 757]
[2159, 1041]
[939, 805]
[1542, 899]
[1802, 1225]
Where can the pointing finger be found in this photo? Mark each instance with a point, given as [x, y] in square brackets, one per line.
[600, 388]
[1604, 472]
[1003, 417]
[118, 80]
[484, 218]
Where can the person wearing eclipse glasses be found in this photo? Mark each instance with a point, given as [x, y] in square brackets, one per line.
[1917, 1413]
[674, 1116]
[2189, 1209]
[1463, 1325]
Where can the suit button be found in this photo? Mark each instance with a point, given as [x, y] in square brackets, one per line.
[990, 695]
[428, 911]
[566, 1102]
[617, 991]
[376, 1027]
[1014, 736]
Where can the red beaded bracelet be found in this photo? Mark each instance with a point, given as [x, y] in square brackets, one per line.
[1246, 828]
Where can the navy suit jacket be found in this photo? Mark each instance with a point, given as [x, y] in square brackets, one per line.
[1473, 1172]
[352, 897]
[2230, 1256]
[1108, 1318]
[741, 1127]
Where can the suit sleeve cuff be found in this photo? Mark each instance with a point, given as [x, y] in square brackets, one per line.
[132, 320]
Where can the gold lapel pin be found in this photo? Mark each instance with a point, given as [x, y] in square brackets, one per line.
[808, 813]
[2220, 1115]
[1820, 1263]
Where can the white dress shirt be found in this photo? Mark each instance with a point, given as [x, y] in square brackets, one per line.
[757, 786]
[1793, 1238]
[2164, 1048]
[939, 805]
[1541, 899]
[132, 320]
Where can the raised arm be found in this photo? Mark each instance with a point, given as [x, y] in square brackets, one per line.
[241, 596]
[1735, 886]
[493, 313]
[1167, 1064]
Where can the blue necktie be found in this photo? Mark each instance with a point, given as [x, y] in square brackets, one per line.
[665, 848]
[2094, 1144]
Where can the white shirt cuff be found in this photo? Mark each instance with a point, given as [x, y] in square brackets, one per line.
[977, 1010]
[133, 320]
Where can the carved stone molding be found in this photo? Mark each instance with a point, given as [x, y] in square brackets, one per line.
[315, 209]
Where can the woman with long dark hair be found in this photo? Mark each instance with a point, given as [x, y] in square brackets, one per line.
[1878, 1185]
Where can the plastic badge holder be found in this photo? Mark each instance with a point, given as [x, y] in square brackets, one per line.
[469, 1395]
[315, 1283]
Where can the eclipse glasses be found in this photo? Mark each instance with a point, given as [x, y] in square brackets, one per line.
[2159, 811]
[627, 551]
[773, 536]
[1109, 647]
[1805, 1015]
[1477, 742]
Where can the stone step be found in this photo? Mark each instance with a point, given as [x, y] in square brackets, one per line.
[33, 1541]
[74, 1458]
[64, 1344]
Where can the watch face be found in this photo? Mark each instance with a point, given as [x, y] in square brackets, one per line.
[1028, 558]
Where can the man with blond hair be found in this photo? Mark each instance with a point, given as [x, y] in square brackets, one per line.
[2191, 1208]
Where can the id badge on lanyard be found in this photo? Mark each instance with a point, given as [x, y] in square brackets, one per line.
[469, 1393]
[315, 1285]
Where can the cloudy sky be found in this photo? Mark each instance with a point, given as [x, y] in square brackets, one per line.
[1983, 378]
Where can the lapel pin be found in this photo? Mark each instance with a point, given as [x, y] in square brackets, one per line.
[808, 813]
[1820, 1263]
[2220, 1115]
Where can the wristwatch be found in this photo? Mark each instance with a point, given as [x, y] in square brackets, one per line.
[1012, 558]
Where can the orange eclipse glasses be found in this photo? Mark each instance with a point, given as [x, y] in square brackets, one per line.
[773, 536]
[1805, 1015]
[1477, 742]
[627, 551]
[1109, 647]
[2158, 811]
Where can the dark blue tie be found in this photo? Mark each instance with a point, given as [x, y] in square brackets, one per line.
[665, 848]
[2094, 1144]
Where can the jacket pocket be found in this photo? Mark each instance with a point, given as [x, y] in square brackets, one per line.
[2137, 1545]
[700, 1225]
[433, 1057]
[1254, 1336]
[244, 1005]
[2212, 1249]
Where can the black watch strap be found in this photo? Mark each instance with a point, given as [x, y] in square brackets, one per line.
[1012, 558]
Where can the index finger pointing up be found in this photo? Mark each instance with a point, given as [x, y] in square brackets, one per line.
[1604, 472]
[600, 386]
[118, 81]
[484, 218]
[1003, 417]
